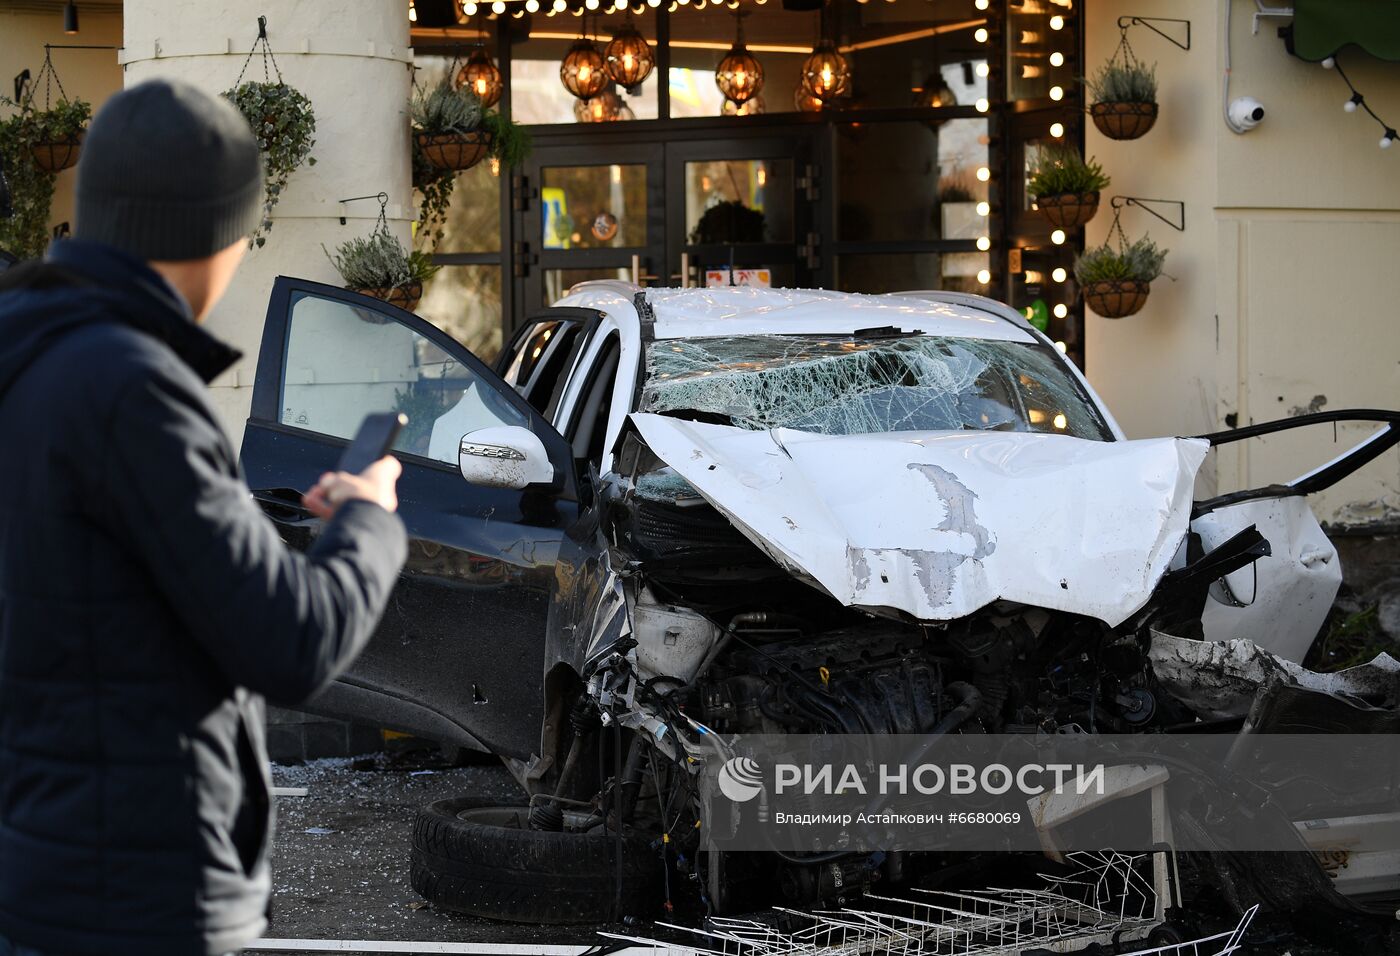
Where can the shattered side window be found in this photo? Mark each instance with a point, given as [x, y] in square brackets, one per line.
[844, 385]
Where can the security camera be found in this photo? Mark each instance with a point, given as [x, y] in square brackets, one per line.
[1246, 113]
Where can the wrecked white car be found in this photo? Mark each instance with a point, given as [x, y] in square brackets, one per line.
[743, 511]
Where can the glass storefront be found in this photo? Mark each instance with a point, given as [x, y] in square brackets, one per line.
[910, 175]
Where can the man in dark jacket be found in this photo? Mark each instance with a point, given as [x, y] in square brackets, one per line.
[146, 604]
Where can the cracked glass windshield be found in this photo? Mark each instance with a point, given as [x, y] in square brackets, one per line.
[849, 385]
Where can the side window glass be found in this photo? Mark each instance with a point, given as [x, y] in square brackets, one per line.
[343, 362]
[530, 351]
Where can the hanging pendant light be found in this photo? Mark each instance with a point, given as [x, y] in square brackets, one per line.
[804, 101]
[584, 72]
[751, 107]
[826, 73]
[739, 75]
[606, 107]
[482, 77]
[629, 57]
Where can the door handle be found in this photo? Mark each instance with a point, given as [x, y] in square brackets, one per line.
[638, 277]
[283, 505]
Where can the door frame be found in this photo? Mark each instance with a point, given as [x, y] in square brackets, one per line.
[801, 146]
[529, 257]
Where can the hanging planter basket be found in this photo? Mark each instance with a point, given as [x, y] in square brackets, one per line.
[58, 156]
[1116, 298]
[404, 296]
[454, 150]
[1124, 120]
[1067, 210]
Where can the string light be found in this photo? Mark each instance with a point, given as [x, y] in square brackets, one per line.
[984, 208]
[983, 105]
[984, 276]
[983, 243]
[499, 7]
[1057, 59]
[469, 8]
[1057, 23]
[1058, 237]
[983, 174]
[980, 35]
[1059, 275]
[1057, 93]
[981, 4]
[1357, 100]
[559, 6]
[983, 69]
[1057, 130]
[1062, 347]
[1061, 310]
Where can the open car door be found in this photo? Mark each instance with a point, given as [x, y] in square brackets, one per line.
[1280, 601]
[459, 656]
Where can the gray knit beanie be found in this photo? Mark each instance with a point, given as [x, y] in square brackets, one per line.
[168, 172]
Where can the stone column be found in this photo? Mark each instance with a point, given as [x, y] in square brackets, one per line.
[351, 58]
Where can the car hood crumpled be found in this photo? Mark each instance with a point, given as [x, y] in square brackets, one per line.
[939, 524]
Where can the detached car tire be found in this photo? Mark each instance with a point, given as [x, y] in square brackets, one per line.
[486, 861]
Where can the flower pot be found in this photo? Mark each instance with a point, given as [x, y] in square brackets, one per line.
[1067, 210]
[454, 150]
[1123, 120]
[53, 157]
[960, 220]
[1116, 298]
[404, 296]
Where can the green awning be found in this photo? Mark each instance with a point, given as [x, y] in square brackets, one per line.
[1322, 27]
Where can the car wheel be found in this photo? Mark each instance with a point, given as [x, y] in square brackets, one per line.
[486, 861]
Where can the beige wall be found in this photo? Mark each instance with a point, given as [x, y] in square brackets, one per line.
[352, 59]
[1285, 299]
[91, 75]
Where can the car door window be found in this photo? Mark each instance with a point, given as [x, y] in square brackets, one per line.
[542, 355]
[342, 362]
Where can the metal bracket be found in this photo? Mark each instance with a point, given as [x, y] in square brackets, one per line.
[383, 198]
[1125, 22]
[1118, 202]
[21, 81]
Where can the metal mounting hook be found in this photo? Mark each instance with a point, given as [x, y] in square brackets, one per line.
[1118, 202]
[262, 28]
[382, 196]
[1130, 21]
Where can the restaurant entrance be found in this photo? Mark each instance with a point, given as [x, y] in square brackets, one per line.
[685, 212]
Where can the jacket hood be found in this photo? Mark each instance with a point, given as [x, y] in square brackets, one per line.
[85, 282]
[935, 525]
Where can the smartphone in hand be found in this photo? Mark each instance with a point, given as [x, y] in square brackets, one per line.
[372, 442]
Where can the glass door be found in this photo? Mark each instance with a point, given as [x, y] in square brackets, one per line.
[741, 211]
[588, 212]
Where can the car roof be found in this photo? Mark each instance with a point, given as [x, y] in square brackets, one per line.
[741, 310]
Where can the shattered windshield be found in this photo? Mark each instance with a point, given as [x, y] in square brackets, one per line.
[850, 385]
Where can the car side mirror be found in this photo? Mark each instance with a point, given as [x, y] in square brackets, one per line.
[504, 456]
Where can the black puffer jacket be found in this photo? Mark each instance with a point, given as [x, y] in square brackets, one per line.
[146, 604]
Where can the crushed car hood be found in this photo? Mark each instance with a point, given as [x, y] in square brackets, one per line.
[939, 524]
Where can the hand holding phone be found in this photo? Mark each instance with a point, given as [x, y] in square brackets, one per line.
[366, 470]
[372, 442]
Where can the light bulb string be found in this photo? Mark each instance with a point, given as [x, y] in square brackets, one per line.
[1360, 100]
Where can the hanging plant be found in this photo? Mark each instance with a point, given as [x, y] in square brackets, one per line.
[1066, 187]
[285, 125]
[283, 121]
[447, 126]
[1124, 94]
[34, 146]
[379, 266]
[452, 132]
[1116, 282]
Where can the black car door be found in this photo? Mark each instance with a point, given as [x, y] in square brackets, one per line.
[459, 655]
